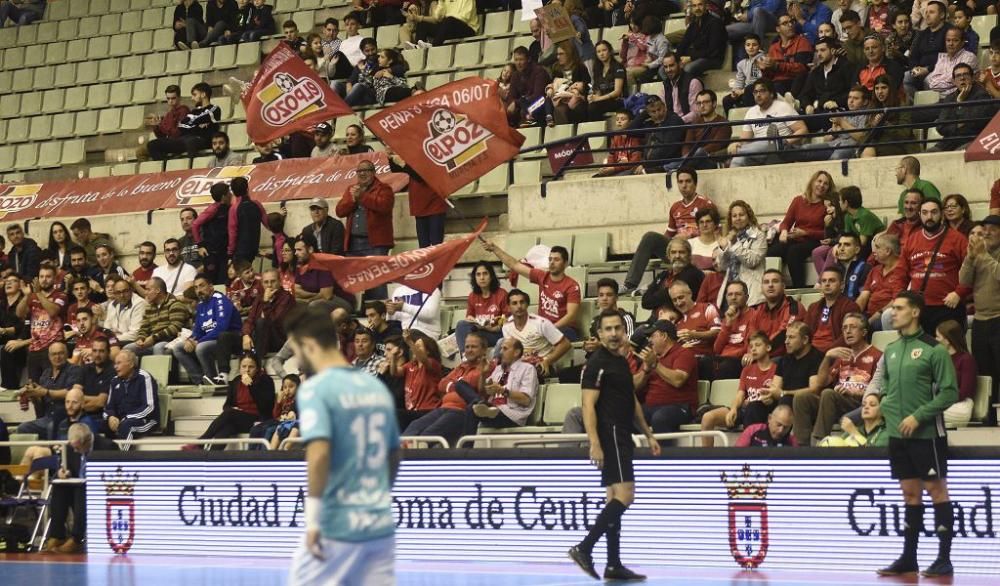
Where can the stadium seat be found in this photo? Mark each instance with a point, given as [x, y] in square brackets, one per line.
[532, 136]
[723, 392]
[98, 47]
[590, 248]
[62, 124]
[48, 32]
[120, 45]
[76, 98]
[133, 117]
[596, 143]
[201, 60]
[8, 36]
[17, 130]
[79, 9]
[67, 29]
[494, 181]
[166, 408]
[224, 57]
[926, 97]
[99, 171]
[415, 59]
[496, 24]
[6, 78]
[41, 128]
[151, 18]
[808, 299]
[496, 51]
[86, 123]
[122, 169]
[131, 22]
[142, 42]
[86, 72]
[527, 172]
[45, 78]
[98, 96]
[144, 91]
[437, 80]
[27, 157]
[248, 54]
[89, 26]
[7, 153]
[468, 55]
[151, 167]
[177, 62]
[65, 75]
[57, 53]
[387, 35]
[23, 80]
[881, 340]
[36, 57]
[517, 244]
[13, 58]
[613, 34]
[559, 399]
[74, 152]
[520, 26]
[109, 69]
[982, 25]
[181, 164]
[163, 39]
[49, 155]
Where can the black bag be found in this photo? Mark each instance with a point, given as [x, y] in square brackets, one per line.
[14, 538]
[8, 485]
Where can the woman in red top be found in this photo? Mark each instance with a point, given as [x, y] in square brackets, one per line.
[421, 376]
[286, 265]
[249, 400]
[427, 207]
[957, 213]
[803, 227]
[486, 309]
[950, 335]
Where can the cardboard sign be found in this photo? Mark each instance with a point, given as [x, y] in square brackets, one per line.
[556, 23]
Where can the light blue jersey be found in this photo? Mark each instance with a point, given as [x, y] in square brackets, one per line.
[355, 412]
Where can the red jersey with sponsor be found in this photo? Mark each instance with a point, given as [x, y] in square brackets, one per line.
[702, 317]
[882, 287]
[84, 342]
[242, 294]
[660, 392]
[855, 374]
[916, 255]
[774, 321]
[682, 222]
[420, 384]
[732, 339]
[142, 275]
[553, 296]
[45, 329]
[756, 381]
[486, 309]
[463, 372]
[71, 312]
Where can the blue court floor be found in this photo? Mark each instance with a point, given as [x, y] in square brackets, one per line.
[34, 570]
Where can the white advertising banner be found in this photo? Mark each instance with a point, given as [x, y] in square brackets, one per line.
[782, 514]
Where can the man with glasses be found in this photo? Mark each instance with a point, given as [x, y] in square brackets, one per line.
[961, 124]
[177, 274]
[787, 61]
[776, 140]
[367, 206]
[876, 64]
[124, 311]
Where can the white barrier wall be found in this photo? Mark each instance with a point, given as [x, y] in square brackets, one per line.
[789, 514]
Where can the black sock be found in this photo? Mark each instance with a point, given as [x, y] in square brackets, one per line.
[913, 524]
[944, 521]
[608, 514]
[614, 533]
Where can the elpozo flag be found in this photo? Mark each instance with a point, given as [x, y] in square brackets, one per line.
[287, 96]
[422, 269]
[986, 146]
[451, 135]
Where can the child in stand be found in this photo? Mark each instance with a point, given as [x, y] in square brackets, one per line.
[631, 149]
[754, 400]
[503, 83]
[990, 76]
[961, 18]
[747, 72]
[286, 424]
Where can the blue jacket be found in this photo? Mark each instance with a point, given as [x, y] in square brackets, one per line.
[133, 398]
[821, 13]
[775, 7]
[216, 315]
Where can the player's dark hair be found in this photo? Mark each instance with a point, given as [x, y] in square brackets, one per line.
[746, 290]
[480, 336]
[609, 313]
[518, 293]
[802, 327]
[760, 335]
[85, 310]
[377, 305]
[609, 283]
[562, 252]
[312, 323]
[913, 298]
[294, 378]
[835, 269]
[494, 281]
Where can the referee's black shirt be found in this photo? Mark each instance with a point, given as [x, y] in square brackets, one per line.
[610, 374]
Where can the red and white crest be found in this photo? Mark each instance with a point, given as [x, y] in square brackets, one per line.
[748, 538]
[120, 523]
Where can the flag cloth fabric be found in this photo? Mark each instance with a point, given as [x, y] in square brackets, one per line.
[451, 135]
[986, 146]
[287, 96]
[422, 269]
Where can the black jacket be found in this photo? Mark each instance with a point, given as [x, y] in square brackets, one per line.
[248, 235]
[184, 13]
[25, 260]
[658, 296]
[926, 46]
[9, 319]
[824, 88]
[665, 143]
[704, 38]
[332, 235]
[262, 391]
[950, 122]
[215, 232]
[257, 19]
[228, 13]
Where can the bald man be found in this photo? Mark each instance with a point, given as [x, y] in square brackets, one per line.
[133, 407]
[74, 414]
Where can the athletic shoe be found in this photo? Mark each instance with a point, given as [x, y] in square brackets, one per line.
[584, 560]
[939, 568]
[70, 546]
[52, 544]
[485, 411]
[196, 45]
[627, 290]
[221, 379]
[899, 567]
[424, 45]
[622, 574]
[205, 380]
[183, 46]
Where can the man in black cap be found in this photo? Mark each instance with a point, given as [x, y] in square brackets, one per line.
[323, 137]
[610, 408]
[328, 232]
[981, 271]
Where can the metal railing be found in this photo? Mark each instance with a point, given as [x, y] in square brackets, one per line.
[408, 441]
[168, 441]
[581, 142]
[543, 439]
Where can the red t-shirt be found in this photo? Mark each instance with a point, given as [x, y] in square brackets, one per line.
[141, 274]
[244, 400]
[487, 308]
[85, 342]
[823, 337]
[755, 381]
[553, 296]
[682, 221]
[45, 329]
[451, 399]
[420, 384]
[855, 374]
[243, 295]
[774, 321]
[883, 289]
[660, 392]
[902, 228]
[917, 252]
[732, 339]
[806, 216]
[702, 317]
[71, 312]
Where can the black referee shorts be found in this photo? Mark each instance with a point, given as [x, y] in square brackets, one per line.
[926, 459]
[616, 443]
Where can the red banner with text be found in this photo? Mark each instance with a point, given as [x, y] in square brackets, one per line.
[986, 146]
[451, 135]
[269, 182]
[287, 96]
[422, 269]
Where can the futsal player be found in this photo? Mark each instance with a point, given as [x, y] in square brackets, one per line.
[348, 422]
[919, 384]
[609, 409]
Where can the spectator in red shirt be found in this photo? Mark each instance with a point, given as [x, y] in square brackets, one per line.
[81, 298]
[754, 400]
[788, 58]
[421, 375]
[43, 307]
[773, 315]
[826, 317]
[147, 254]
[426, 206]
[882, 283]
[249, 400]
[87, 332]
[849, 369]
[803, 227]
[486, 308]
[670, 380]
[460, 389]
[558, 294]
[367, 208]
[995, 190]
[625, 151]
[245, 288]
[776, 433]
[903, 227]
[929, 263]
[263, 328]
[950, 335]
[730, 345]
[699, 324]
[165, 126]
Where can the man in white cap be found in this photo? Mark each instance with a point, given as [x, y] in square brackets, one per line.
[323, 136]
[328, 232]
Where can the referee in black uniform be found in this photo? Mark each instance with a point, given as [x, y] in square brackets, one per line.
[610, 409]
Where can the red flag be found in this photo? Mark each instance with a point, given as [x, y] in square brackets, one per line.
[986, 147]
[287, 96]
[452, 135]
[422, 269]
[559, 155]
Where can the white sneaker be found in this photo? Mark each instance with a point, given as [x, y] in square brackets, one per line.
[409, 45]
[196, 45]
[484, 411]
[182, 46]
[424, 45]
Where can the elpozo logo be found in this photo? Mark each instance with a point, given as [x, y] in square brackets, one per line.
[196, 189]
[286, 99]
[455, 140]
[17, 198]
